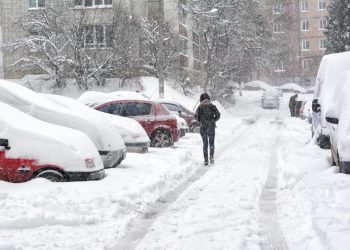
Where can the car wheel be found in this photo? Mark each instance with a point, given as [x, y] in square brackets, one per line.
[161, 139]
[51, 175]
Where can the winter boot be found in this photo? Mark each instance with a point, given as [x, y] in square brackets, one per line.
[212, 159]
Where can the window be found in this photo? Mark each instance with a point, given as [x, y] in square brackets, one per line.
[171, 107]
[304, 6]
[183, 61]
[322, 44]
[196, 54]
[277, 8]
[36, 4]
[306, 64]
[278, 28]
[321, 4]
[98, 36]
[305, 26]
[93, 3]
[305, 45]
[182, 15]
[279, 67]
[114, 109]
[183, 46]
[137, 109]
[322, 24]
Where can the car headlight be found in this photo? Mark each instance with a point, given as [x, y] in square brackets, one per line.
[89, 163]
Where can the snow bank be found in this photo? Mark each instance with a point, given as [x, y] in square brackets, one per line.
[50, 144]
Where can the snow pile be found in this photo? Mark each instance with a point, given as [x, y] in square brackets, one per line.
[313, 204]
[50, 144]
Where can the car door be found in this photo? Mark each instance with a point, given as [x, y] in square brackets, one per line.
[3, 175]
[141, 112]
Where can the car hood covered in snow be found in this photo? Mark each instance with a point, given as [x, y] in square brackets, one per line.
[102, 134]
[30, 138]
[130, 130]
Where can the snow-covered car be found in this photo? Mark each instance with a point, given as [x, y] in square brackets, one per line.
[292, 88]
[270, 100]
[31, 148]
[159, 124]
[258, 85]
[338, 116]
[134, 136]
[305, 111]
[102, 133]
[331, 68]
[176, 108]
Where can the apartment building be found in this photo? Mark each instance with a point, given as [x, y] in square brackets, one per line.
[303, 37]
[186, 26]
[313, 21]
[98, 15]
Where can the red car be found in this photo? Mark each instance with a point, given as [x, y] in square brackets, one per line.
[159, 124]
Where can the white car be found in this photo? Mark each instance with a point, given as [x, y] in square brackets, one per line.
[331, 68]
[270, 100]
[182, 125]
[134, 136]
[102, 133]
[338, 116]
[31, 148]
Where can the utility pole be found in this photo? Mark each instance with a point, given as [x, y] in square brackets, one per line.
[161, 49]
[201, 53]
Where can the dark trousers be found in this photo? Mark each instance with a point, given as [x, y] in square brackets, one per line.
[292, 111]
[208, 137]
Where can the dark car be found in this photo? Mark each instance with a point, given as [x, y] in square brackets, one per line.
[177, 108]
[159, 124]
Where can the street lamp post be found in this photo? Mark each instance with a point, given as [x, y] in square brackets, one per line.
[161, 49]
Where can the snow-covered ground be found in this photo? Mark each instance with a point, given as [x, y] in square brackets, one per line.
[220, 210]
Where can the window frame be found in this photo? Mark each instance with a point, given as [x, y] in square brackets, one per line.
[304, 6]
[277, 8]
[96, 44]
[306, 64]
[322, 41]
[322, 24]
[322, 5]
[279, 67]
[304, 42]
[93, 5]
[37, 7]
[277, 28]
[305, 25]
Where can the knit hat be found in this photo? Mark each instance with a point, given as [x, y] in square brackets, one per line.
[203, 97]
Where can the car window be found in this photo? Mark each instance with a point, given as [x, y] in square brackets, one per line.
[171, 107]
[114, 108]
[137, 109]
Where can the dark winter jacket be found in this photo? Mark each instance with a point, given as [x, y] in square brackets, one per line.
[292, 101]
[207, 114]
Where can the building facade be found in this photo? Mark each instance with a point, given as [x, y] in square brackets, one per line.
[303, 39]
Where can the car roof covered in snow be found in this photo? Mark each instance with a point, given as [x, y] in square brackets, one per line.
[130, 130]
[30, 138]
[260, 85]
[293, 86]
[102, 133]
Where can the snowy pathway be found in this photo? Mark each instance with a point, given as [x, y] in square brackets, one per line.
[273, 238]
[221, 210]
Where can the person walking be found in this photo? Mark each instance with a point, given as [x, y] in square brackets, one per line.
[207, 114]
[292, 103]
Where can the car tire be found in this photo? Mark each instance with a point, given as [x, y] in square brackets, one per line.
[161, 139]
[51, 175]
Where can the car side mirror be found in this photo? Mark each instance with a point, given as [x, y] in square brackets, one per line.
[5, 143]
[180, 112]
[332, 120]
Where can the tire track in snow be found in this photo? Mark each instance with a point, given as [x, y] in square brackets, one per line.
[273, 238]
[140, 229]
